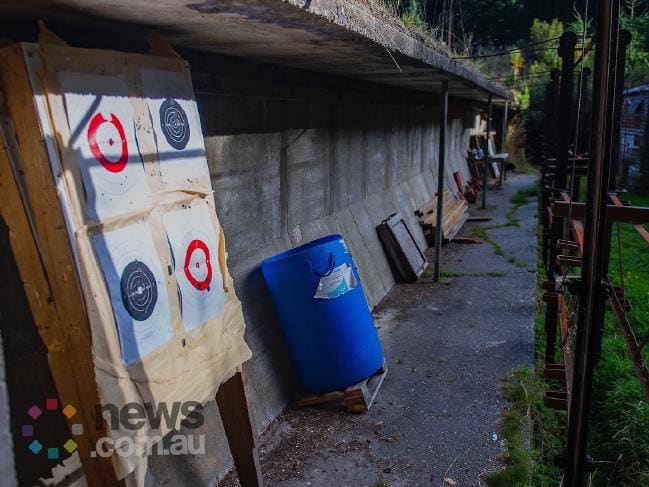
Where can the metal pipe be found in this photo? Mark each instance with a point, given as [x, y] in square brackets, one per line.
[440, 182]
[485, 163]
[594, 268]
[503, 139]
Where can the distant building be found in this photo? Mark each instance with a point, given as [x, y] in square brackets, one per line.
[635, 116]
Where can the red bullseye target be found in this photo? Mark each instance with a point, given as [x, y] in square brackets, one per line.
[107, 141]
[198, 268]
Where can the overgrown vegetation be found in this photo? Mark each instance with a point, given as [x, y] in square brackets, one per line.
[527, 419]
[619, 435]
[514, 43]
[532, 463]
[620, 429]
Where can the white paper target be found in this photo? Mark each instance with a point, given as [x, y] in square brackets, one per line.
[102, 126]
[137, 289]
[177, 127]
[194, 246]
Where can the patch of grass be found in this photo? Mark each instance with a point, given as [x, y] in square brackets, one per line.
[620, 423]
[533, 467]
[483, 233]
[520, 198]
[490, 274]
[618, 436]
[381, 483]
[524, 393]
[451, 274]
[524, 166]
[429, 273]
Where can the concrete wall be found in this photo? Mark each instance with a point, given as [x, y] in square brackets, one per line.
[293, 160]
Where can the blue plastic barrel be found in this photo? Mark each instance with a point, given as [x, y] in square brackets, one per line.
[331, 338]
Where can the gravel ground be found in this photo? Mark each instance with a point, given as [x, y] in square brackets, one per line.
[448, 345]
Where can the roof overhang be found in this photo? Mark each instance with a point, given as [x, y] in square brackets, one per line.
[340, 37]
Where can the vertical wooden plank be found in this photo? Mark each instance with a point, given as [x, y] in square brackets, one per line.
[233, 406]
[41, 246]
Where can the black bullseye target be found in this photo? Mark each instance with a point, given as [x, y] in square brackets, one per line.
[139, 290]
[174, 124]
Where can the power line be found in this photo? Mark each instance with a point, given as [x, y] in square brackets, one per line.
[516, 49]
[510, 51]
[523, 77]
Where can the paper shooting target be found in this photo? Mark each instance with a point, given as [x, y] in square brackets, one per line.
[192, 237]
[137, 289]
[177, 129]
[103, 142]
[198, 268]
[107, 142]
[174, 124]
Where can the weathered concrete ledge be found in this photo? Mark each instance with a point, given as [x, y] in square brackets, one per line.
[340, 37]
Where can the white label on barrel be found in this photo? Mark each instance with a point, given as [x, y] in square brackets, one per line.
[341, 280]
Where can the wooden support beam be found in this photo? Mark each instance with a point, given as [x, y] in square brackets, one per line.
[239, 428]
[41, 246]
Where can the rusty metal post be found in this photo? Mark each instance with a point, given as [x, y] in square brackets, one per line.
[485, 163]
[567, 52]
[595, 265]
[440, 181]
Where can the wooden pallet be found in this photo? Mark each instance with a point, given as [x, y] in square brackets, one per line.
[358, 398]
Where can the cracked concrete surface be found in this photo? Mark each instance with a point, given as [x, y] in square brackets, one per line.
[448, 346]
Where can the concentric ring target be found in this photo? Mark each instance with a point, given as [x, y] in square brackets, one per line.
[198, 268]
[139, 290]
[174, 124]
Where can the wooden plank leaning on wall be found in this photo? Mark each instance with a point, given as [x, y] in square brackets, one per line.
[30, 207]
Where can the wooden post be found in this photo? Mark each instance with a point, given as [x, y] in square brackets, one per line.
[440, 181]
[242, 437]
[486, 159]
[40, 243]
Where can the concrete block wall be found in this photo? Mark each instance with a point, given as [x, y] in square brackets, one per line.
[289, 169]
